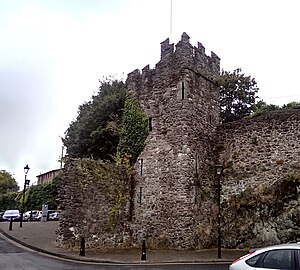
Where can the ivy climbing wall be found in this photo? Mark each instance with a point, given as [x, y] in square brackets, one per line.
[94, 199]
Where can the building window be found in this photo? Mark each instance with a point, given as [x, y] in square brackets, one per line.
[150, 123]
[182, 91]
[141, 166]
[210, 119]
[140, 195]
[196, 165]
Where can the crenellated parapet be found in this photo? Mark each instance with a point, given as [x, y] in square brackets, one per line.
[185, 56]
[196, 59]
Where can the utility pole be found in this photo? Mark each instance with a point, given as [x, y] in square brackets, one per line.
[62, 156]
[219, 169]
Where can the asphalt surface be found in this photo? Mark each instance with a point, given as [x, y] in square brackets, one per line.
[40, 237]
[13, 257]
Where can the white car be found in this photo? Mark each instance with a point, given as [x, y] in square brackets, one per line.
[33, 214]
[285, 256]
[54, 216]
[39, 215]
[14, 214]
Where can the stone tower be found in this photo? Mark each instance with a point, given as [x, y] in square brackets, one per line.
[173, 201]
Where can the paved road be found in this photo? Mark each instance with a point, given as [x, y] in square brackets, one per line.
[13, 257]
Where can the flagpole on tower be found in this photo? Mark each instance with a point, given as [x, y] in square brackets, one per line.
[171, 20]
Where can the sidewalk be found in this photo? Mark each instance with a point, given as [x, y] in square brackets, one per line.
[40, 236]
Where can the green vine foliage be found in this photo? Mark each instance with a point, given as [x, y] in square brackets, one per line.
[133, 134]
[37, 195]
[114, 211]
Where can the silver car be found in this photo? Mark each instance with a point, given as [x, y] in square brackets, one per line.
[285, 256]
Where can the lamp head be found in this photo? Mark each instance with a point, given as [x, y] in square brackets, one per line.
[26, 169]
[219, 168]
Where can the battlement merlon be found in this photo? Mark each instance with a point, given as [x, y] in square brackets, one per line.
[166, 48]
[134, 81]
[215, 58]
[200, 48]
[183, 48]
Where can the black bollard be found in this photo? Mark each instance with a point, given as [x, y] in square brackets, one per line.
[10, 224]
[143, 257]
[82, 246]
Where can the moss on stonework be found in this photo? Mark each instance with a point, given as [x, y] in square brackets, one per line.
[101, 190]
[114, 211]
[102, 172]
[259, 207]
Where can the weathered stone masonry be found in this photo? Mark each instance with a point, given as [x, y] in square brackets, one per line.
[172, 201]
[94, 197]
[260, 192]
[261, 150]
[180, 97]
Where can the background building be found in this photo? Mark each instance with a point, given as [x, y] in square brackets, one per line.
[47, 177]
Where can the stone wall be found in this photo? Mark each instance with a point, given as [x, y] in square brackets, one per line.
[171, 201]
[262, 215]
[180, 97]
[94, 198]
[259, 150]
[260, 180]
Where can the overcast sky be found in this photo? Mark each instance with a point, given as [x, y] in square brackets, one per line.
[53, 53]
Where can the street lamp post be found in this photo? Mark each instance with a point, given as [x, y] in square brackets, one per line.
[26, 183]
[219, 169]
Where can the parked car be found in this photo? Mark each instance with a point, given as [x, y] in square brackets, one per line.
[14, 214]
[51, 215]
[33, 213]
[1, 216]
[54, 216]
[285, 256]
[39, 215]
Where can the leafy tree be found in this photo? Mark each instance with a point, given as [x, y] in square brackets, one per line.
[7, 182]
[96, 131]
[237, 95]
[9, 201]
[134, 133]
[291, 105]
[262, 107]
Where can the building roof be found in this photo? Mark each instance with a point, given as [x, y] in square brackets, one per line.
[52, 171]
